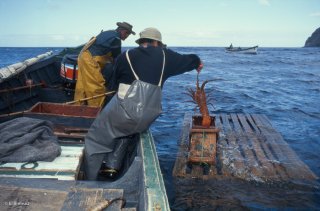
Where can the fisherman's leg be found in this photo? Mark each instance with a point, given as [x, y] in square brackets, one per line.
[113, 161]
[92, 165]
[94, 81]
[79, 90]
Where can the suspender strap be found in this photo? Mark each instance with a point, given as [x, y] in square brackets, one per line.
[134, 73]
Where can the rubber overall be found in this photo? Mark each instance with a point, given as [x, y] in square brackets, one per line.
[90, 81]
[140, 106]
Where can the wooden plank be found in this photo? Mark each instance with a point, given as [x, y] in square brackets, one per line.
[180, 165]
[203, 147]
[18, 198]
[64, 167]
[252, 124]
[275, 145]
[236, 126]
[281, 173]
[270, 154]
[70, 135]
[232, 158]
[207, 130]
[269, 172]
[196, 171]
[287, 157]
[221, 144]
[253, 166]
[128, 209]
[280, 149]
[89, 198]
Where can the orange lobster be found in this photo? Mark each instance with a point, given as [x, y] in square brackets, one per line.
[199, 97]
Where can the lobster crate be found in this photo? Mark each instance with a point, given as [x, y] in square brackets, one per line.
[248, 148]
[64, 115]
[203, 141]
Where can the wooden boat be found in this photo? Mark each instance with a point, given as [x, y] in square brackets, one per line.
[35, 89]
[249, 50]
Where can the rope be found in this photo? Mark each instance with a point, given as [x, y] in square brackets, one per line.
[12, 114]
[90, 98]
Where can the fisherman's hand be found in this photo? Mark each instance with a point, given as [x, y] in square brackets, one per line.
[199, 68]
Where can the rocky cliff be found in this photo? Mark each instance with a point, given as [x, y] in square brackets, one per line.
[314, 40]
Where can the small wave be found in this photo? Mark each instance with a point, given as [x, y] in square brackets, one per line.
[309, 81]
[315, 90]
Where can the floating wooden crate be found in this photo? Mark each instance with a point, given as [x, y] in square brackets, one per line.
[248, 148]
[64, 167]
[203, 142]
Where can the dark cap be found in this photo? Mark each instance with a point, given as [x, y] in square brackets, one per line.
[126, 26]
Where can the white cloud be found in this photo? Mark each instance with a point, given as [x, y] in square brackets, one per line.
[264, 2]
[316, 14]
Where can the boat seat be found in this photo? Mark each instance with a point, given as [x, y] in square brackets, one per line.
[73, 199]
[64, 167]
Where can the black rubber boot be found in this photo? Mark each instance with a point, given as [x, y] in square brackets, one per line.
[113, 160]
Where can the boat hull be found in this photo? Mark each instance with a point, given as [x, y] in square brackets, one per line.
[251, 50]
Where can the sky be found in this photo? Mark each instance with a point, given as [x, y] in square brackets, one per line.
[209, 23]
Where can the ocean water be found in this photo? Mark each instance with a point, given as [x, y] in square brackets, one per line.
[282, 83]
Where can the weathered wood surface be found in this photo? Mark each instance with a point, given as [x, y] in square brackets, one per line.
[89, 198]
[18, 198]
[248, 148]
[203, 147]
[64, 167]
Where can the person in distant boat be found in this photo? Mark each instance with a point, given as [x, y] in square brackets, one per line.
[94, 63]
[231, 46]
[138, 77]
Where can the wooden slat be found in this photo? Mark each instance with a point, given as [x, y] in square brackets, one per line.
[287, 157]
[19, 198]
[70, 135]
[221, 144]
[268, 150]
[181, 161]
[197, 171]
[234, 160]
[128, 209]
[88, 198]
[261, 151]
[276, 144]
[250, 159]
[252, 124]
[64, 167]
[203, 147]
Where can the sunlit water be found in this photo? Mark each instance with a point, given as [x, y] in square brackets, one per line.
[282, 83]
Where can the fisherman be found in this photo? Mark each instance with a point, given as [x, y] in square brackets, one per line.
[94, 63]
[139, 75]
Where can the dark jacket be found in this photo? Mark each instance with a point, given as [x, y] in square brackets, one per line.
[106, 41]
[147, 63]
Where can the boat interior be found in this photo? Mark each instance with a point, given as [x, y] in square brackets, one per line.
[41, 92]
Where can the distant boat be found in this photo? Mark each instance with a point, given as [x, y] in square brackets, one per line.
[247, 50]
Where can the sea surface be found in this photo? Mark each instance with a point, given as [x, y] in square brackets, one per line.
[281, 83]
